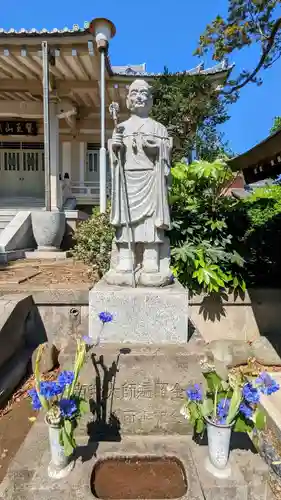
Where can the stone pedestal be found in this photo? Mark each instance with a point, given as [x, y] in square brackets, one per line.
[140, 315]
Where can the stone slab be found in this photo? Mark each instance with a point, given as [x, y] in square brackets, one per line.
[37, 254]
[27, 475]
[234, 488]
[56, 294]
[137, 389]
[142, 315]
[256, 474]
[14, 310]
[12, 372]
[33, 483]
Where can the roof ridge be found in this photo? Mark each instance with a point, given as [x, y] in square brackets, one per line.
[33, 31]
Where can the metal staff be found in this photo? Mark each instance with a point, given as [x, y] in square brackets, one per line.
[114, 109]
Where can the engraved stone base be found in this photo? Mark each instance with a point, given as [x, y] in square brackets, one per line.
[141, 315]
[137, 389]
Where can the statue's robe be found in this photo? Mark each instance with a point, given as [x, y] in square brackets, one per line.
[146, 182]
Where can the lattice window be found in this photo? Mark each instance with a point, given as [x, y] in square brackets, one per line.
[11, 161]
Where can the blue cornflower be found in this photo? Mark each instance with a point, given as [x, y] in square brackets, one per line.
[250, 393]
[194, 393]
[223, 408]
[68, 407]
[267, 384]
[65, 378]
[246, 410]
[50, 389]
[105, 317]
[36, 403]
[88, 340]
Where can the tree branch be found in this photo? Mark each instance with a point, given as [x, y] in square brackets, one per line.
[265, 53]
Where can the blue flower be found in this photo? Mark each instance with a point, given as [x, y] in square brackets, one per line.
[88, 340]
[223, 408]
[50, 389]
[36, 403]
[194, 393]
[267, 384]
[250, 393]
[68, 407]
[246, 410]
[105, 317]
[65, 378]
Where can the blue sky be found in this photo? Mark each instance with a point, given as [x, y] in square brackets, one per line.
[161, 33]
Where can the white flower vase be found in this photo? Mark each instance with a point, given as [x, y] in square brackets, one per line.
[60, 465]
[218, 449]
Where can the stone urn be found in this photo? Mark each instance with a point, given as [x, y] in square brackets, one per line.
[60, 465]
[48, 229]
[218, 448]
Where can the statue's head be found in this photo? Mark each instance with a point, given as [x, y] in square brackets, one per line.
[139, 99]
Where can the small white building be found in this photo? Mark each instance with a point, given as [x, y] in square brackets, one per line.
[74, 115]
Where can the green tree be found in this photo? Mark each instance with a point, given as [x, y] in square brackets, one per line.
[276, 124]
[204, 252]
[248, 23]
[191, 108]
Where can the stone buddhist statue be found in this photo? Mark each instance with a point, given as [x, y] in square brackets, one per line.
[140, 166]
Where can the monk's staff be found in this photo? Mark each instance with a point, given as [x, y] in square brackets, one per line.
[114, 109]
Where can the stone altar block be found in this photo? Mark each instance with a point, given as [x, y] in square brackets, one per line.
[140, 315]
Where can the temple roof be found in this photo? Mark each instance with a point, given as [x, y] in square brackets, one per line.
[220, 69]
[264, 151]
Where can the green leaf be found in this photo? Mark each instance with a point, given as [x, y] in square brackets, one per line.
[213, 381]
[194, 412]
[200, 426]
[259, 419]
[67, 436]
[234, 404]
[67, 444]
[207, 407]
[84, 406]
[243, 425]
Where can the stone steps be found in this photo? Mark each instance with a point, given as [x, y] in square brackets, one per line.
[6, 216]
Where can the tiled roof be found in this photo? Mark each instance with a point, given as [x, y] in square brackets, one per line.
[127, 70]
[134, 70]
[55, 31]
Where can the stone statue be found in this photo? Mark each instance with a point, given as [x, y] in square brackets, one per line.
[140, 167]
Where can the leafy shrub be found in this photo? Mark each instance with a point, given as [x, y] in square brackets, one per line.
[262, 237]
[204, 253]
[93, 239]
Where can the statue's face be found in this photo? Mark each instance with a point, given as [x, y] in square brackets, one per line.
[139, 99]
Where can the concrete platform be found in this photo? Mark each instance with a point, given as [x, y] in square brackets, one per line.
[27, 477]
[141, 315]
[37, 254]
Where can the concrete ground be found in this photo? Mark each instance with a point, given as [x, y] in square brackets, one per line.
[27, 477]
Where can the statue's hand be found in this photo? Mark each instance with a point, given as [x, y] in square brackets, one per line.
[150, 144]
[117, 141]
[151, 147]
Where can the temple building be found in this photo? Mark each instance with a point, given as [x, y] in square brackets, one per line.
[74, 116]
[259, 165]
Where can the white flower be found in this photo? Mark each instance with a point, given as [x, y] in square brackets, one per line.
[184, 411]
